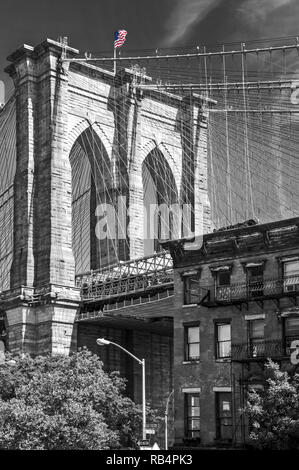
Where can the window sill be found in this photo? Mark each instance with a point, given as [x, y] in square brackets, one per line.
[189, 305]
[197, 361]
[224, 359]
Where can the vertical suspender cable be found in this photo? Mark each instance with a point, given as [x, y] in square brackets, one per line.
[249, 198]
[228, 175]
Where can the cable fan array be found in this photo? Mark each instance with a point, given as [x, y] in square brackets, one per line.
[252, 139]
[252, 130]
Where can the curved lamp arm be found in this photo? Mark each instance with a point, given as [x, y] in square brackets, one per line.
[103, 342]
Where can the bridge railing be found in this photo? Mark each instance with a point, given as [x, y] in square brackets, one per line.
[132, 276]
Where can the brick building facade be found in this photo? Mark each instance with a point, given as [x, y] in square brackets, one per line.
[235, 306]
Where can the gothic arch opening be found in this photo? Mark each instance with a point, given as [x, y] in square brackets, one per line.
[160, 198]
[92, 195]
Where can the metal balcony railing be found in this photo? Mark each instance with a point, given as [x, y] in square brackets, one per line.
[259, 350]
[254, 290]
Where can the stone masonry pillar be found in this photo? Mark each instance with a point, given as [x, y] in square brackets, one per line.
[23, 75]
[127, 101]
[43, 303]
[136, 205]
[202, 213]
[194, 190]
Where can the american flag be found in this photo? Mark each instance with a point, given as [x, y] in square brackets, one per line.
[119, 38]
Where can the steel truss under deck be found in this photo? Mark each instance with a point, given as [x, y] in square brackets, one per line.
[130, 278]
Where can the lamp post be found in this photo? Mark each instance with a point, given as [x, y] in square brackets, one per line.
[166, 419]
[104, 342]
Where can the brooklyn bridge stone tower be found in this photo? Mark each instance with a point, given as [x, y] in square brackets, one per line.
[86, 135]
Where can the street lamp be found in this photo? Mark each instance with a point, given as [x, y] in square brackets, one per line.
[104, 342]
[166, 419]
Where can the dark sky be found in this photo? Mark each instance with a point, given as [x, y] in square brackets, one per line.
[90, 24]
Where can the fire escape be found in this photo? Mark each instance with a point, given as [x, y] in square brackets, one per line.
[241, 294]
[248, 358]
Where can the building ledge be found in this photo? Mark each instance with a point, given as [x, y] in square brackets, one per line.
[191, 362]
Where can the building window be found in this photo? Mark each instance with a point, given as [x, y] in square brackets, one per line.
[191, 289]
[223, 340]
[223, 289]
[291, 276]
[224, 416]
[192, 414]
[223, 278]
[291, 331]
[256, 338]
[192, 343]
[255, 276]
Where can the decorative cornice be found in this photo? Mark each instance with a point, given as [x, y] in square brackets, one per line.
[21, 52]
[221, 267]
[253, 263]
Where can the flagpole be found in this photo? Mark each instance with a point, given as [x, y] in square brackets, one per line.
[114, 62]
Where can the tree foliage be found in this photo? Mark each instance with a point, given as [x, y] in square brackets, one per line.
[60, 402]
[274, 412]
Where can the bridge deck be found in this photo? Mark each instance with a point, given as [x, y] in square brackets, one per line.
[129, 278]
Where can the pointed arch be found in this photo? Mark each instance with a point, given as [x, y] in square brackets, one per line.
[81, 126]
[160, 196]
[92, 192]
